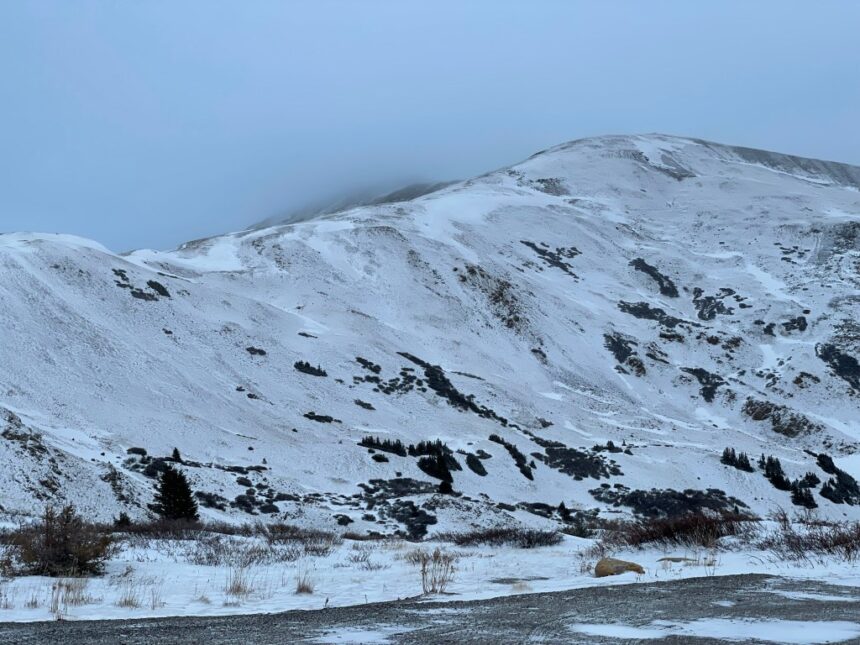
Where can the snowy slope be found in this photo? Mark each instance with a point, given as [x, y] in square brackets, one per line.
[673, 296]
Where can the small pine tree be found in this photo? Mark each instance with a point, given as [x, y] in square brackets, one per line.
[176, 456]
[563, 512]
[773, 471]
[729, 458]
[801, 496]
[173, 498]
[743, 463]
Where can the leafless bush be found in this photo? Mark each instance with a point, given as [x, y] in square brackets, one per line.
[694, 529]
[806, 542]
[361, 556]
[6, 601]
[166, 529]
[130, 594]
[363, 537]
[314, 542]
[156, 597]
[437, 569]
[220, 550]
[516, 537]
[238, 583]
[304, 583]
[61, 543]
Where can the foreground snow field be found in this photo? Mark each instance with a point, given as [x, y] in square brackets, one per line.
[158, 578]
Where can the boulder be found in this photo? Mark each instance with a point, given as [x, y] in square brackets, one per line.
[613, 567]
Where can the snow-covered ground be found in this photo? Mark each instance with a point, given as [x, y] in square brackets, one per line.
[159, 578]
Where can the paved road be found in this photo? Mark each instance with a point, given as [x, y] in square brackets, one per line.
[534, 618]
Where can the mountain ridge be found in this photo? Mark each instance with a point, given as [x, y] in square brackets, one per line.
[671, 296]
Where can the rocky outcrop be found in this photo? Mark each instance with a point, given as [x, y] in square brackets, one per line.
[612, 567]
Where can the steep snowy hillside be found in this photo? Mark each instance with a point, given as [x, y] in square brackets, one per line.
[594, 325]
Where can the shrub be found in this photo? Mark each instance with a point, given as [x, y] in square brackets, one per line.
[519, 457]
[238, 583]
[521, 538]
[437, 569]
[304, 583]
[836, 540]
[307, 368]
[475, 465]
[685, 530]
[61, 543]
[173, 497]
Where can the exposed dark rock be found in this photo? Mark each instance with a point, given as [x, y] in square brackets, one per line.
[709, 382]
[841, 364]
[307, 368]
[415, 519]
[321, 418]
[159, 288]
[783, 420]
[667, 287]
[645, 311]
[709, 306]
[798, 324]
[439, 383]
[368, 365]
[255, 351]
[555, 258]
[621, 347]
[211, 500]
[364, 404]
[551, 186]
[384, 489]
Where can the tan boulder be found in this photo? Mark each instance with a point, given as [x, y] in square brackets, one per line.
[613, 567]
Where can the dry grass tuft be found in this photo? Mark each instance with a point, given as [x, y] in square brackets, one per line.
[437, 569]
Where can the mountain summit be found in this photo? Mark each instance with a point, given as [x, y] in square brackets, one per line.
[595, 326]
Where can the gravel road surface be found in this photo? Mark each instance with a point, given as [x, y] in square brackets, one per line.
[652, 613]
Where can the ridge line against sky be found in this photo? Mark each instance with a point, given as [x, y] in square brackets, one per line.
[150, 124]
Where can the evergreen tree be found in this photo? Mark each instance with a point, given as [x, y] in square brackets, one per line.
[743, 463]
[173, 498]
[801, 496]
[563, 512]
[176, 456]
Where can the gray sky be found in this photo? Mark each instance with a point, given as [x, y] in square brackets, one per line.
[146, 124]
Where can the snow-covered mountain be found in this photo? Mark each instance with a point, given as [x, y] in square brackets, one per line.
[671, 296]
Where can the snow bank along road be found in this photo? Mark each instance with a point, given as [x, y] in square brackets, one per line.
[749, 609]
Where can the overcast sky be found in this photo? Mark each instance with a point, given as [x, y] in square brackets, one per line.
[149, 123]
